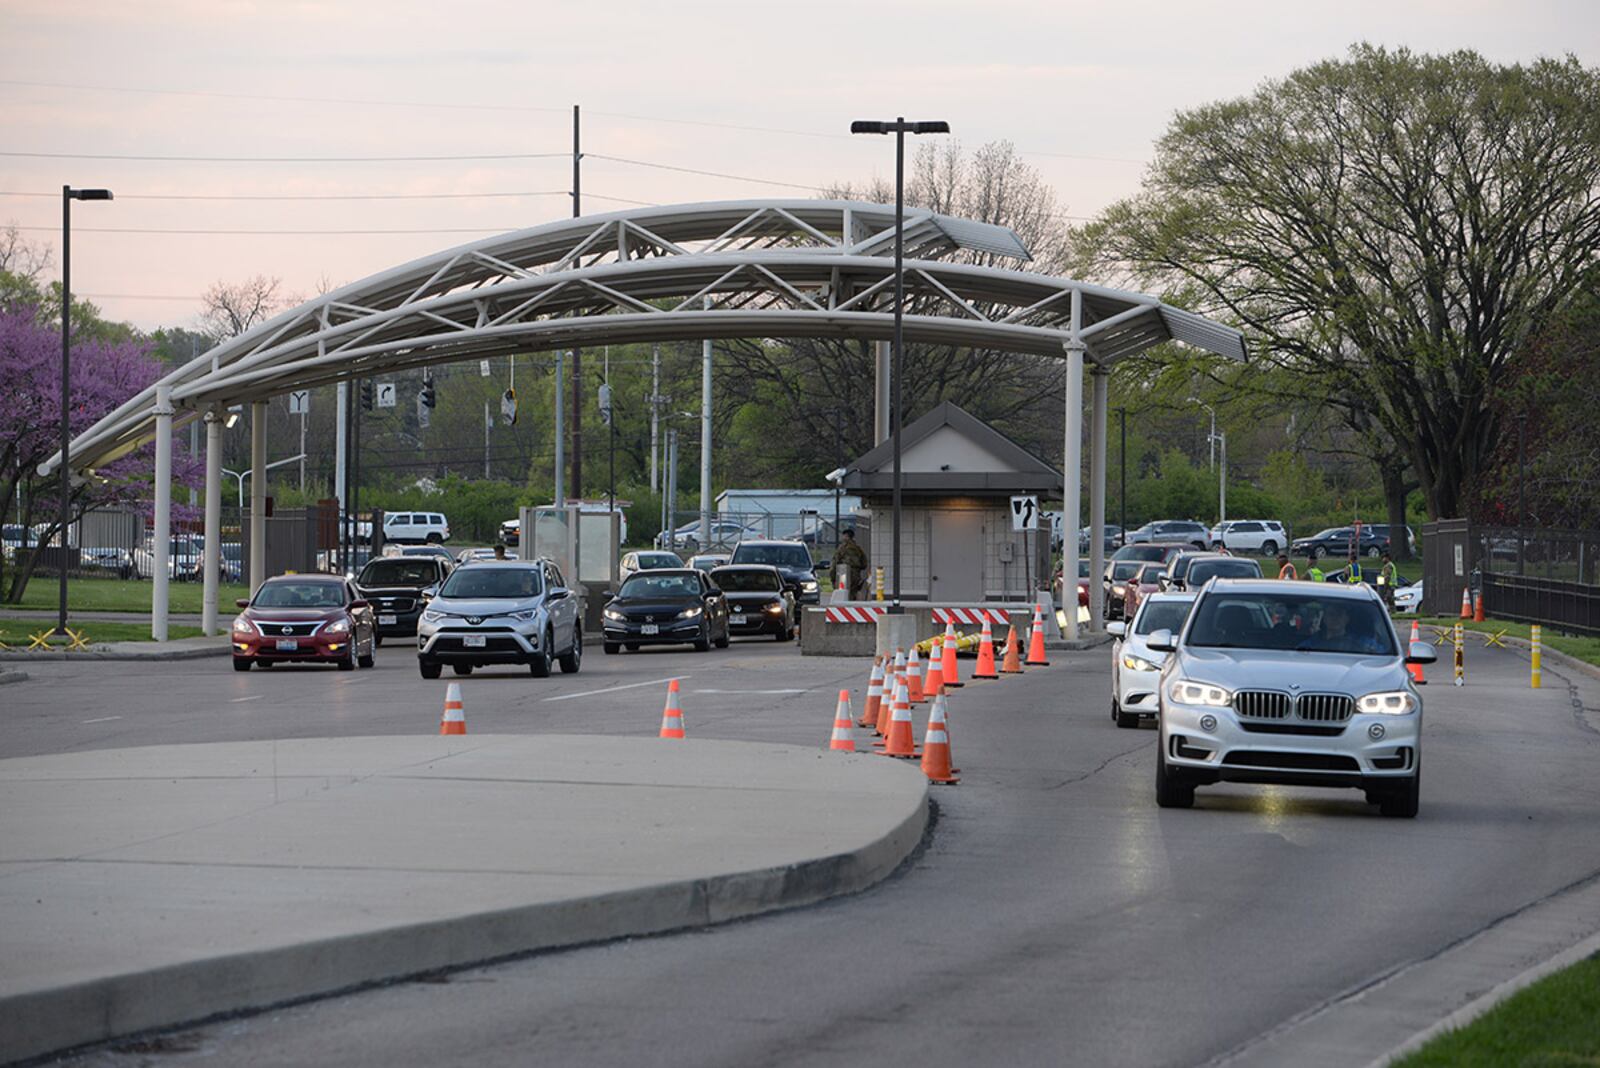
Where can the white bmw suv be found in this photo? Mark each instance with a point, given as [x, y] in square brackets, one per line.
[1289, 682]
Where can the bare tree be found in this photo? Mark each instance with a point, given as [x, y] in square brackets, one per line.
[21, 257]
[233, 308]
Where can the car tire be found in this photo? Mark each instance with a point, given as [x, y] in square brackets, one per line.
[241, 663]
[612, 648]
[1317, 552]
[377, 641]
[1373, 550]
[633, 647]
[702, 644]
[1124, 720]
[349, 661]
[368, 660]
[1402, 801]
[539, 667]
[1171, 790]
[1269, 547]
[571, 662]
[461, 669]
[433, 539]
[429, 669]
[723, 642]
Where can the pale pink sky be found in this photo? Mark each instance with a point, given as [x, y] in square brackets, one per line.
[1060, 80]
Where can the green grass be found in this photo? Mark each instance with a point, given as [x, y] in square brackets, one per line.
[1585, 649]
[16, 632]
[1554, 1022]
[117, 595]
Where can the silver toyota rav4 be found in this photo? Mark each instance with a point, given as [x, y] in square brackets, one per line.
[1289, 682]
[512, 612]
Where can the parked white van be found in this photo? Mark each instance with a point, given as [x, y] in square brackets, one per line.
[428, 527]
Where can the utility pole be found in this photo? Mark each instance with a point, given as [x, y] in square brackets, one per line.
[655, 411]
[488, 424]
[1122, 498]
[577, 358]
[671, 501]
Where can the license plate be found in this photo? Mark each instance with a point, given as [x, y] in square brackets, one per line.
[736, 618]
[287, 645]
[387, 621]
[649, 628]
[473, 641]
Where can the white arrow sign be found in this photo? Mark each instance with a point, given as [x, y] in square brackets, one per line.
[386, 394]
[1024, 512]
[299, 401]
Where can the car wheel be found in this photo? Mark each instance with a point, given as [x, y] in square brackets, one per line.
[429, 669]
[1269, 547]
[377, 641]
[540, 667]
[612, 648]
[633, 647]
[461, 669]
[1317, 552]
[702, 644]
[1171, 790]
[1402, 801]
[349, 661]
[367, 661]
[574, 658]
[241, 663]
[1124, 719]
[722, 642]
[433, 539]
[1373, 550]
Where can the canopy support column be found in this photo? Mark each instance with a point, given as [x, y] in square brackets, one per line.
[1072, 473]
[880, 394]
[213, 547]
[1100, 379]
[258, 495]
[162, 536]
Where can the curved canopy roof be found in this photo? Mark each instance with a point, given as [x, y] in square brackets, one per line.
[752, 268]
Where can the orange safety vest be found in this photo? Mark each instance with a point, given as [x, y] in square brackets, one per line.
[1287, 571]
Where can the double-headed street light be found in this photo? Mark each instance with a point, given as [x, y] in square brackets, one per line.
[68, 195]
[899, 127]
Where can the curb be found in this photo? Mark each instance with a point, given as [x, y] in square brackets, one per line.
[118, 654]
[76, 1016]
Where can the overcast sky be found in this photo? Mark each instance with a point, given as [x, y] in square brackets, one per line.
[752, 89]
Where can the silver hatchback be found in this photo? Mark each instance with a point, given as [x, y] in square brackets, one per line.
[1289, 682]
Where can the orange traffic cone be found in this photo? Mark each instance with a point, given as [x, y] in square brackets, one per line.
[869, 714]
[933, 682]
[1036, 657]
[1013, 661]
[672, 715]
[900, 742]
[455, 719]
[1416, 669]
[842, 739]
[1466, 603]
[936, 746]
[952, 677]
[914, 677]
[985, 668]
[891, 685]
[1477, 613]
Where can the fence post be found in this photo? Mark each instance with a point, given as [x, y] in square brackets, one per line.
[1534, 635]
[1461, 673]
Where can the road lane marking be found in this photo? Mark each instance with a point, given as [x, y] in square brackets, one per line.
[240, 700]
[614, 689]
[102, 719]
[750, 691]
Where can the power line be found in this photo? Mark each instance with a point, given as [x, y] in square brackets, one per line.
[275, 233]
[344, 196]
[286, 159]
[708, 174]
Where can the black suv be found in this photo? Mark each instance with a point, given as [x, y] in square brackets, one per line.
[1337, 541]
[399, 587]
[793, 561]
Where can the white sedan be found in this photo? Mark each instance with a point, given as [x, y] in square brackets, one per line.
[1136, 668]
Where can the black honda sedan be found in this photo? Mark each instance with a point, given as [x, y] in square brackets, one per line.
[758, 600]
[667, 606]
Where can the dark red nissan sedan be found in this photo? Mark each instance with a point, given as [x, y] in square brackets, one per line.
[307, 619]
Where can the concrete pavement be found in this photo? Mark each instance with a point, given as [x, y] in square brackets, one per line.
[146, 887]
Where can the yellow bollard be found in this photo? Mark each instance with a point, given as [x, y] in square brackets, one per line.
[1461, 667]
[1538, 679]
[878, 582]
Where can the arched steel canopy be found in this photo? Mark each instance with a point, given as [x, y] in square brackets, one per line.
[768, 268]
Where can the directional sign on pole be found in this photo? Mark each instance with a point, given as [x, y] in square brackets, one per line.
[1024, 513]
[483, 368]
[299, 401]
[386, 394]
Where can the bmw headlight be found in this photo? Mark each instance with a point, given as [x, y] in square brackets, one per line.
[243, 625]
[430, 616]
[1187, 692]
[690, 613]
[338, 626]
[1139, 663]
[612, 613]
[1388, 703]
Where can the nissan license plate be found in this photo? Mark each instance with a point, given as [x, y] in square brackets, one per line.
[736, 619]
[649, 628]
[287, 645]
[473, 641]
[387, 621]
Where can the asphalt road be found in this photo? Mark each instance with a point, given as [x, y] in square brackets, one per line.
[1055, 916]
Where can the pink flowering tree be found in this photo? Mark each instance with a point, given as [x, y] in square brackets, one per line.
[105, 373]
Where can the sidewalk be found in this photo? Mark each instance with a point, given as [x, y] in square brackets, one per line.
[179, 649]
[156, 886]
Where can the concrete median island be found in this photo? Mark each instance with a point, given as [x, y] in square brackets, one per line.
[148, 887]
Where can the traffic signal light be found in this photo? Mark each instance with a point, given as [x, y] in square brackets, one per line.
[427, 396]
[366, 394]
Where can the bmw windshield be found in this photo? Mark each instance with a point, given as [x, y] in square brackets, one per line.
[1291, 621]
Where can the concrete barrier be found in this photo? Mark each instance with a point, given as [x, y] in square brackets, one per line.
[821, 638]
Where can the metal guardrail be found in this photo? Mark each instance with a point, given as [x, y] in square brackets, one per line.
[1570, 606]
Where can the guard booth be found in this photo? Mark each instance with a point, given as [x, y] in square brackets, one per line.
[958, 544]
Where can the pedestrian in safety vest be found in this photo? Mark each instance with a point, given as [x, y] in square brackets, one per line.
[1285, 568]
[1388, 579]
[1352, 573]
[1313, 572]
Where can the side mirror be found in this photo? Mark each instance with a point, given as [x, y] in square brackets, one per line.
[242, 602]
[1163, 584]
[354, 605]
[1422, 653]
[1117, 628]
[560, 593]
[1162, 641]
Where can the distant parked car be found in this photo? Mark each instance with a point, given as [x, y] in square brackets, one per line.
[185, 553]
[1265, 536]
[1184, 530]
[1337, 541]
[723, 532]
[1387, 533]
[416, 527]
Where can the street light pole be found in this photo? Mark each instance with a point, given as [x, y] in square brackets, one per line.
[1122, 498]
[900, 127]
[68, 195]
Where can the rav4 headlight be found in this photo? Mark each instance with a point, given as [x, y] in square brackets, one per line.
[1186, 692]
[1389, 703]
[522, 617]
[430, 616]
